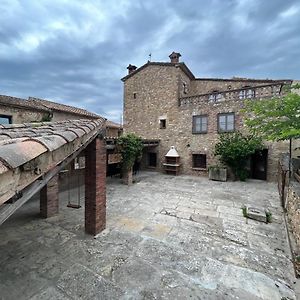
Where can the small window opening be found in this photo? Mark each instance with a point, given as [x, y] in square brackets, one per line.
[4, 119]
[134, 95]
[162, 124]
[199, 161]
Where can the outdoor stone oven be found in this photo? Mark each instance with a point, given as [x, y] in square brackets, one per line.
[172, 162]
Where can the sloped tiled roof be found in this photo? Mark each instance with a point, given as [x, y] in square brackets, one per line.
[27, 147]
[112, 124]
[181, 65]
[45, 105]
[61, 107]
[22, 103]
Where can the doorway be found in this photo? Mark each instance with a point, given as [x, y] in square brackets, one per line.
[259, 163]
[152, 159]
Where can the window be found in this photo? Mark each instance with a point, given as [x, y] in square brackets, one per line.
[226, 122]
[5, 119]
[185, 88]
[199, 161]
[79, 163]
[200, 124]
[134, 95]
[162, 123]
[214, 96]
[247, 93]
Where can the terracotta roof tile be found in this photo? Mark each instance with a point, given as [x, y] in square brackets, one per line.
[61, 107]
[51, 142]
[20, 143]
[181, 65]
[17, 154]
[45, 105]
[3, 168]
[31, 157]
[111, 124]
[78, 131]
[22, 103]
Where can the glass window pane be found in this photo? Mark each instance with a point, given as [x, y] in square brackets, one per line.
[222, 126]
[222, 119]
[4, 120]
[230, 122]
[198, 120]
[230, 118]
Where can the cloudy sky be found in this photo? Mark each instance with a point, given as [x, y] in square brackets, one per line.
[75, 52]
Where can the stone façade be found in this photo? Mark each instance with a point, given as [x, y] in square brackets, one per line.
[170, 91]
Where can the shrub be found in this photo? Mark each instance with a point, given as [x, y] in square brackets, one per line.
[234, 150]
[131, 147]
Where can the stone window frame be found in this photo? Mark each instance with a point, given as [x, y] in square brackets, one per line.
[226, 122]
[200, 167]
[202, 116]
[6, 117]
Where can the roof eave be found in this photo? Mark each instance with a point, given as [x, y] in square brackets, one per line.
[181, 65]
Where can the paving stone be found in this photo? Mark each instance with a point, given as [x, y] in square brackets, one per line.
[49, 294]
[81, 283]
[147, 254]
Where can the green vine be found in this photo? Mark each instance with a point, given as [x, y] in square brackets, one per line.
[131, 147]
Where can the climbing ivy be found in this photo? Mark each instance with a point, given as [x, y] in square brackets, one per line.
[131, 147]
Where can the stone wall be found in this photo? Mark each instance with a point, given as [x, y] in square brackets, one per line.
[152, 94]
[25, 115]
[293, 211]
[21, 115]
[113, 132]
[204, 86]
[61, 116]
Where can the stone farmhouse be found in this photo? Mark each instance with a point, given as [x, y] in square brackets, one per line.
[15, 110]
[166, 102]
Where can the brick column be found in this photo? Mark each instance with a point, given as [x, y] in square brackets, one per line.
[49, 198]
[95, 187]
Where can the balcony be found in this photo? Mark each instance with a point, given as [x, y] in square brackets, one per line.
[258, 92]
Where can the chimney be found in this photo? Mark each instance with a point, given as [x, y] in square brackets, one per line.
[131, 68]
[174, 56]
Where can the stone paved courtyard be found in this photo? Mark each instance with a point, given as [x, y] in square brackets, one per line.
[166, 238]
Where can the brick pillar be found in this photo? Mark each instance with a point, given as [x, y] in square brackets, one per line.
[95, 187]
[49, 198]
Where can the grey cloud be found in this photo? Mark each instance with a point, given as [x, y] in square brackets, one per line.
[76, 52]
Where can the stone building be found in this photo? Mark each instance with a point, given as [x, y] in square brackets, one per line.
[165, 101]
[15, 110]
